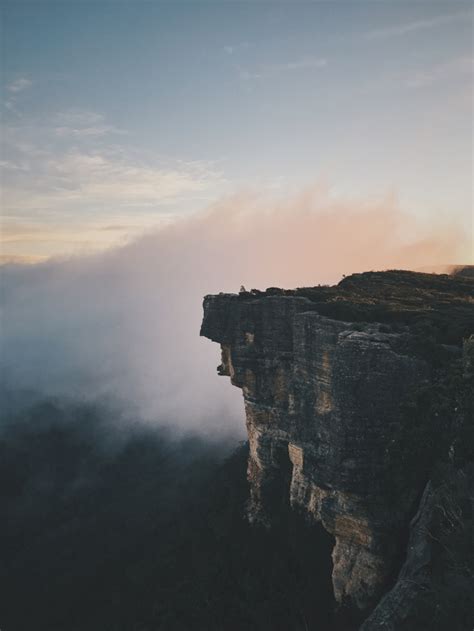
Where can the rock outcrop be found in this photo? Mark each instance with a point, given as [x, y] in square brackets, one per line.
[331, 378]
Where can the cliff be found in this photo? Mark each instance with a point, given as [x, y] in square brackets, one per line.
[341, 390]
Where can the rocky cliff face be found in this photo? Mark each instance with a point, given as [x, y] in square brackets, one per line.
[331, 378]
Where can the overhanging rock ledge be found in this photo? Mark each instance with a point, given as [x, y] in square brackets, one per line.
[329, 377]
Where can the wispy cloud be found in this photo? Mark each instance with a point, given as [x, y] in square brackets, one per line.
[81, 117]
[64, 180]
[270, 70]
[417, 25]
[231, 49]
[83, 123]
[18, 259]
[108, 179]
[440, 72]
[13, 90]
[18, 85]
[80, 132]
[306, 62]
[44, 235]
[9, 165]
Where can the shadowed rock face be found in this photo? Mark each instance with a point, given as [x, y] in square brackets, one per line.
[326, 403]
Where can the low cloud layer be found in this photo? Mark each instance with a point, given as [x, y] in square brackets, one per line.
[124, 325]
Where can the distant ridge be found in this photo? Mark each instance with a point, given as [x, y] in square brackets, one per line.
[463, 270]
[452, 269]
[11, 259]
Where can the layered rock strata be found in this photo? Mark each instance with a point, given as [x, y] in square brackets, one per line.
[327, 404]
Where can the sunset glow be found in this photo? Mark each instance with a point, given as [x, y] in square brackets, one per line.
[118, 118]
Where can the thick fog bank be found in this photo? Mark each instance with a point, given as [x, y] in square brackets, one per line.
[124, 325]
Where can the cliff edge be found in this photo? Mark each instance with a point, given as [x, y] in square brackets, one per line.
[349, 406]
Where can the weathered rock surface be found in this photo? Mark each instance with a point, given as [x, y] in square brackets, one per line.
[395, 607]
[329, 377]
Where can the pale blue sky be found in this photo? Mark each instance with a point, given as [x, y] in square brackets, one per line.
[117, 116]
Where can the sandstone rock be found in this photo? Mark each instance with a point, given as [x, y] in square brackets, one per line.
[326, 400]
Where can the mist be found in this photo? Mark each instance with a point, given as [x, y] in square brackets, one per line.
[123, 326]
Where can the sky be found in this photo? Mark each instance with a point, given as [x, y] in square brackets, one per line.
[120, 117]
